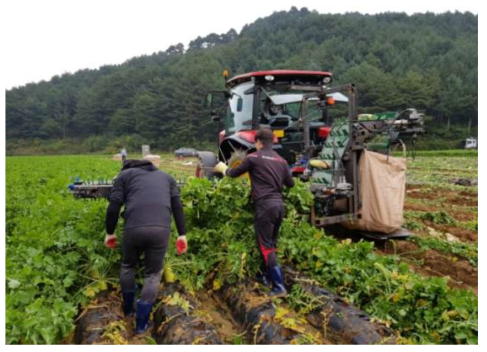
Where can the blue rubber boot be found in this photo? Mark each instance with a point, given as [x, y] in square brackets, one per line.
[142, 316]
[277, 277]
[128, 301]
[263, 276]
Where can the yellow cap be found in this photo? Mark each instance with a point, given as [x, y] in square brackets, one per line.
[225, 73]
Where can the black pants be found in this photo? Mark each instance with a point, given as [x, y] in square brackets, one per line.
[267, 222]
[153, 242]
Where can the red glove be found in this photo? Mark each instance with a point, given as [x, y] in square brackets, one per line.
[111, 241]
[181, 245]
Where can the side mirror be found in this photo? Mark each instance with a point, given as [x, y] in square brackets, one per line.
[215, 118]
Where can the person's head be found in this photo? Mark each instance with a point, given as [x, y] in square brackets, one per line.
[263, 138]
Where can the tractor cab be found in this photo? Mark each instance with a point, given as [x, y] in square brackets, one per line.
[272, 99]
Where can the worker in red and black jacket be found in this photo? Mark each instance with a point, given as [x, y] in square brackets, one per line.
[150, 197]
[269, 173]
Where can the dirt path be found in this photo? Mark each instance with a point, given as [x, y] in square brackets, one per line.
[228, 329]
[268, 320]
[103, 322]
[237, 314]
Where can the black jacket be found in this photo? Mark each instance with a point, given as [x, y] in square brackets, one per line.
[269, 173]
[149, 195]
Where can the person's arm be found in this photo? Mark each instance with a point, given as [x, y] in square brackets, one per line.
[177, 209]
[117, 199]
[244, 167]
[111, 219]
[288, 179]
[178, 214]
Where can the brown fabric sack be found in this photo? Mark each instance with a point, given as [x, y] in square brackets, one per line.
[382, 192]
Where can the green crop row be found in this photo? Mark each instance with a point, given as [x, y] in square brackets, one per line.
[56, 260]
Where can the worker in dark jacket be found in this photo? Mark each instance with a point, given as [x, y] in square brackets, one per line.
[150, 197]
[268, 174]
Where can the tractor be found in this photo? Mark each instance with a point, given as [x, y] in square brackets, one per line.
[269, 99]
[317, 130]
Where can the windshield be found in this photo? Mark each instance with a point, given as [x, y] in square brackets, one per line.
[277, 107]
[287, 104]
[284, 106]
[239, 112]
[280, 99]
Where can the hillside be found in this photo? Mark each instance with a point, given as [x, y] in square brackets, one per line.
[429, 61]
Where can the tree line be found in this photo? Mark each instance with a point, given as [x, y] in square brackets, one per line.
[427, 61]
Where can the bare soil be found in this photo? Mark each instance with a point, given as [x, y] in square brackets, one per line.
[432, 263]
[448, 201]
[218, 313]
[464, 235]
[446, 196]
[460, 272]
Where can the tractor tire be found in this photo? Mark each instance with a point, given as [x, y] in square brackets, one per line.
[207, 161]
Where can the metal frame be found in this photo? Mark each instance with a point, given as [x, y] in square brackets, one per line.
[350, 158]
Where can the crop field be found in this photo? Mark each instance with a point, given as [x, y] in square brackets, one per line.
[62, 282]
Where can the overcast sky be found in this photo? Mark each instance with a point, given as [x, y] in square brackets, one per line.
[47, 37]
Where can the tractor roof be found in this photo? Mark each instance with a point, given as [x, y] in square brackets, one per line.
[287, 75]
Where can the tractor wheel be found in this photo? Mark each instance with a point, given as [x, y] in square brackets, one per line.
[205, 166]
[236, 158]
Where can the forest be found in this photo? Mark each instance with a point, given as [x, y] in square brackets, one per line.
[427, 61]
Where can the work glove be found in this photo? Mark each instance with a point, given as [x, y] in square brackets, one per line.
[221, 167]
[181, 244]
[320, 164]
[111, 241]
